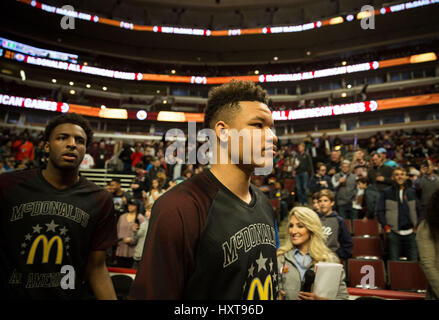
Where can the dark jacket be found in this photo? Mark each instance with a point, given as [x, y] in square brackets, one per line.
[338, 238]
[305, 163]
[315, 186]
[396, 214]
[385, 171]
[370, 201]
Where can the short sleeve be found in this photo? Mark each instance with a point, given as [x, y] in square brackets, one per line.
[105, 233]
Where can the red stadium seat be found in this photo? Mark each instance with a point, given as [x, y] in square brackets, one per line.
[367, 247]
[369, 228]
[406, 276]
[275, 203]
[290, 184]
[355, 275]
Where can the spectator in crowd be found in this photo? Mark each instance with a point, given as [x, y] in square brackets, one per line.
[101, 155]
[372, 145]
[428, 183]
[324, 148]
[338, 238]
[427, 239]
[24, 148]
[304, 169]
[387, 162]
[139, 236]
[126, 244]
[136, 156]
[156, 168]
[333, 166]
[119, 196]
[304, 248]
[320, 180]
[315, 202]
[398, 211]
[88, 162]
[7, 149]
[367, 199]
[155, 192]
[345, 185]
[125, 157]
[283, 195]
[141, 181]
[379, 174]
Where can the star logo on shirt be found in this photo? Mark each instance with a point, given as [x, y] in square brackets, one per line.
[37, 229]
[51, 226]
[271, 265]
[63, 231]
[261, 262]
[251, 271]
[28, 237]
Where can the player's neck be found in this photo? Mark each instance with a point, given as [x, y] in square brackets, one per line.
[235, 179]
[60, 179]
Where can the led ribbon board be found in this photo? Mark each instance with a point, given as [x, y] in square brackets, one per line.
[284, 115]
[37, 52]
[230, 32]
[367, 66]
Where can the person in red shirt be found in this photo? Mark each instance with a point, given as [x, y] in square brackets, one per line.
[24, 148]
[136, 156]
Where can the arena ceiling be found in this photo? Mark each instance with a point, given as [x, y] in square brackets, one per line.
[411, 25]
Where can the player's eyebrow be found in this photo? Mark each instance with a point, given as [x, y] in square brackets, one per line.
[265, 120]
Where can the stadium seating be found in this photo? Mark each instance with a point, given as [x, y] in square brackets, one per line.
[355, 275]
[367, 247]
[406, 276]
[369, 228]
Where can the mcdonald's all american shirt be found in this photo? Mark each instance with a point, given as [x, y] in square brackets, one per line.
[204, 242]
[46, 235]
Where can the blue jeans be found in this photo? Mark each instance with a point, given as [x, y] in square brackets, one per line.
[402, 245]
[302, 187]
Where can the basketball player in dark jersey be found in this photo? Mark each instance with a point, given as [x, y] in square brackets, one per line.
[213, 236]
[54, 224]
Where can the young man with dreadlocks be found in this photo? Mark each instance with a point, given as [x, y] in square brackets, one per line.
[213, 236]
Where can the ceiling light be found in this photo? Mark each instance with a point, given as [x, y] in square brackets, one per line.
[88, 85]
[104, 88]
[72, 91]
[71, 83]
[158, 91]
[275, 58]
[343, 95]
[308, 53]
[256, 71]
[103, 107]
[23, 75]
[343, 63]
[165, 101]
[85, 63]
[173, 71]
[53, 80]
[349, 86]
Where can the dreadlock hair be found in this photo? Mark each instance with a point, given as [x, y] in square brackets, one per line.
[69, 118]
[224, 100]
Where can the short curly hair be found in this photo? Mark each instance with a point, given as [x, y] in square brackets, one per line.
[224, 100]
[69, 118]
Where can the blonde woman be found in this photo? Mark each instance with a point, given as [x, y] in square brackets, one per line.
[304, 248]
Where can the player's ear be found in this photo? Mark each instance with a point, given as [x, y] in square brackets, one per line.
[222, 131]
[46, 147]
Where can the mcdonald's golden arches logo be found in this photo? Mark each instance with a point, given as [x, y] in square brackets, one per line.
[47, 246]
[265, 291]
